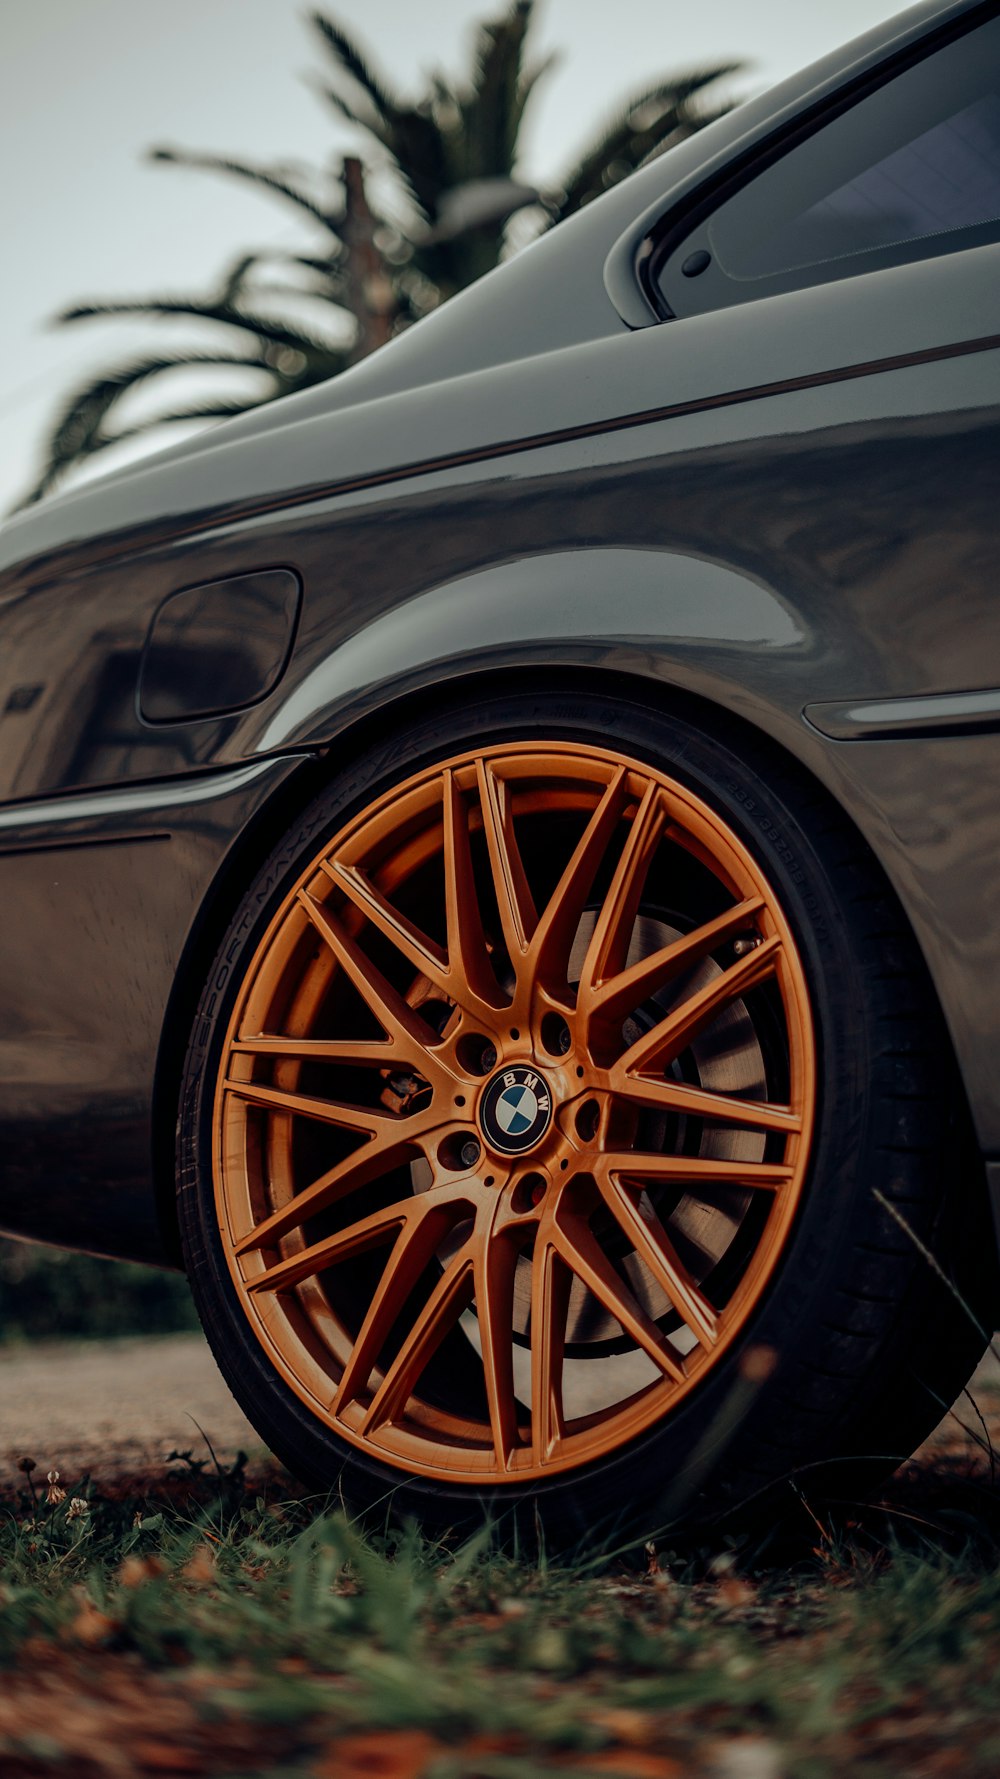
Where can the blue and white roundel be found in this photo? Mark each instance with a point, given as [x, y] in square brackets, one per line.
[515, 1110]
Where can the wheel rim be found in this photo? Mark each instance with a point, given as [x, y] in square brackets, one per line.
[488, 1198]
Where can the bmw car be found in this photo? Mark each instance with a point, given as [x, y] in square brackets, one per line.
[499, 852]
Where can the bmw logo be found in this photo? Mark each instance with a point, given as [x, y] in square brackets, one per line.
[515, 1110]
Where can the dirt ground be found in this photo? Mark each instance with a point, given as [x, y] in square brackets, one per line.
[120, 1405]
[123, 1406]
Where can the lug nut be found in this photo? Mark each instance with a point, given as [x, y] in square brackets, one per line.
[488, 1060]
[469, 1152]
[563, 1041]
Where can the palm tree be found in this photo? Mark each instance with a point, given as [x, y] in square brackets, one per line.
[453, 151]
[264, 354]
[450, 156]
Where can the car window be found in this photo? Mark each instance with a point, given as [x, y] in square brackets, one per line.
[909, 171]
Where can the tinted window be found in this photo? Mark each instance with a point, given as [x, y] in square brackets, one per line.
[911, 170]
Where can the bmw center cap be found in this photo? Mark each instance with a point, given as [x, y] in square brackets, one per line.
[515, 1110]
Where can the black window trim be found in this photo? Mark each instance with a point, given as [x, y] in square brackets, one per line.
[660, 240]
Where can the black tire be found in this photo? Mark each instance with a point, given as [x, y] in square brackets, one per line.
[870, 1348]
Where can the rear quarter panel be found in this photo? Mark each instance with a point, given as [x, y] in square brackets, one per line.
[769, 508]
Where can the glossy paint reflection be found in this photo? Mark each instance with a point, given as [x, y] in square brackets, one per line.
[100, 897]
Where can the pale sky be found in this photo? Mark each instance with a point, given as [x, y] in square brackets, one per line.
[87, 85]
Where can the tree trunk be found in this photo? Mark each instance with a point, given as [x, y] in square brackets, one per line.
[369, 291]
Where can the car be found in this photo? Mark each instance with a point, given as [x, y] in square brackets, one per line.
[498, 852]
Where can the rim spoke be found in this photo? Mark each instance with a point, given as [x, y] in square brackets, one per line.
[558, 926]
[472, 975]
[427, 958]
[583, 1254]
[683, 1023]
[356, 1170]
[550, 1285]
[495, 1267]
[416, 1244]
[609, 942]
[344, 1050]
[626, 991]
[701, 1102]
[514, 900]
[451, 1296]
[365, 1120]
[694, 1169]
[657, 1253]
[397, 1018]
[369, 1232]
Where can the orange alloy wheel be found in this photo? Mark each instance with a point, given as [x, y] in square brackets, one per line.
[514, 1112]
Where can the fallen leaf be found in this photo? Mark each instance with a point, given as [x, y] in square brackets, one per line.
[636, 1763]
[134, 1571]
[199, 1570]
[384, 1754]
[733, 1592]
[91, 1627]
[166, 1757]
[625, 1725]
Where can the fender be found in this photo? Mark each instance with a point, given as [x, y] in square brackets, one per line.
[635, 611]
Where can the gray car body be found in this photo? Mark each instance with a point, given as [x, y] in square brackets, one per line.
[784, 511]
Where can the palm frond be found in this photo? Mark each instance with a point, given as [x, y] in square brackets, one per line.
[270, 181]
[234, 280]
[530, 79]
[411, 134]
[80, 428]
[690, 124]
[649, 120]
[490, 108]
[207, 410]
[372, 124]
[444, 101]
[413, 142]
[420, 152]
[311, 262]
[53, 474]
[315, 289]
[350, 59]
[274, 333]
[325, 278]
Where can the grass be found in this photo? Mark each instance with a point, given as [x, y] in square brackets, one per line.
[221, 1623]
[211, 1620]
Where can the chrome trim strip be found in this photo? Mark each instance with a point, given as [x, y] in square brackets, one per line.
[943, 713]
[124, 802]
